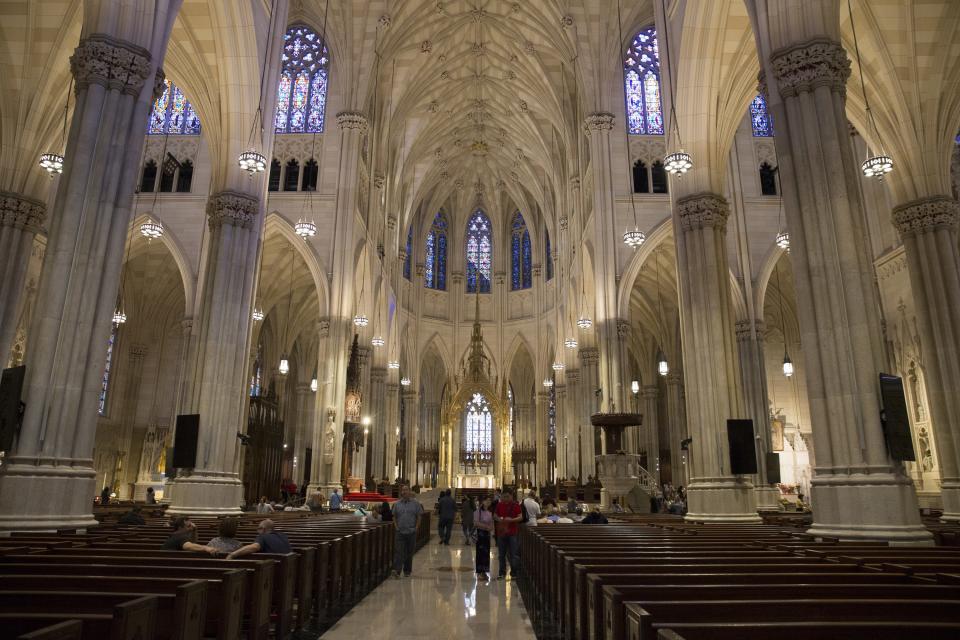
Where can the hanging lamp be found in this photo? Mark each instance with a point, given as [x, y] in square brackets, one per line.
[51, 161]
[548, 382]
[306, 227]
[678, 162]
[393, 364]
[787, 363]
[405, 381]
[284, 367]
[558, 366]
[153, 229]
[634, 238]
[663, 367]
[783, 240]
[251, 160]
[879, 165]
[313, 382]
[788, 368]
[570, 343]
[257, 314]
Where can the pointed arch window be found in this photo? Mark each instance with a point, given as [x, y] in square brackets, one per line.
[548, 257]
[148, 179]
[641, 83]
[435, 262]
[408, 260]
[273, 183]
[479, 245]
[173, 114]
[520, 253]
[760, 118]
[302, 89]
[478, 426]
[185, 177]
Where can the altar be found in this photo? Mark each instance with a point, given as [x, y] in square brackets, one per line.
[475, 481]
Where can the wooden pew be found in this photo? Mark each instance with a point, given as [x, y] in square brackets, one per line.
[859, 630]
[128, 619]
[66, 630]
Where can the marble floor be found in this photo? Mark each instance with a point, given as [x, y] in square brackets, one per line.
[443, 599]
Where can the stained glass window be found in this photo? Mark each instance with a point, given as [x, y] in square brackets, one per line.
[552, 417]
[479, 253]
[641, 84]
[302, 89]
[105, 381]
[760, 118]
[520, 253]
[409, 258]
[256, 376]
[435, 262]
[173, 114]
[478, 426]
[548, 257]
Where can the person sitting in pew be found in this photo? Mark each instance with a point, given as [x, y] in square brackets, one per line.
[132, 517]
[263, 506]
[268, 541]
[595, 517]
[184, 537]
[226, 540]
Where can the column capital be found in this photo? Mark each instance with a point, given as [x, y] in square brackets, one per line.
[650, 392]
[543, 397]
[589, 355]
[186, 326]
[159, 84]
[410, 394]
[926, 215]
[391, 222]
[456, 277]
[598, 121]
[572, 376]
[703, 210]
[743, 329]
[421, 269]
[378, 180]
[575, 183]
[303, 388]
[623, 328]
[352, 120]
[363, 355]
[393, 388]
[21, 212]
[115, 64]
[802, 67]
[323, 328]
[563, 223]
[537, 270]
[233, 208]
[500, 277]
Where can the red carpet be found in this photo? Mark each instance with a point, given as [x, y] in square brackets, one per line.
[367, 497]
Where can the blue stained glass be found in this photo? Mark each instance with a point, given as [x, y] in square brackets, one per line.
[479, 253]
[302, 89]
[527, 283]
[442, 263]
[760, 118]
[408, 259]
[173, 114]
[520, 253]
[641, 85]
[105, 380]
[478, 426]
[548, 257]
[428, 263]
[435, 254]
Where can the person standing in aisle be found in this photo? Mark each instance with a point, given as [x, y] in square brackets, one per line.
[406, 518]
[483, 524]
[448, 512]
[507, 518]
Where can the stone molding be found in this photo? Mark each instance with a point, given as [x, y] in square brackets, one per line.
[233, 208]
[572, 376]
[805, 66]
[563, 223]
[138, 350]
[21, 212]
[393, 388]
[456, 277]
[352, 120]
[410, 394]
[650, 392]
[926, 215]
[575, 183]
[742, 328]
[111, 63]
[623, 328]
[590, 355]
[674, 378]
[391, 222]
[599, 121]
[323, 328]
[703, 210]
[158, 84]
[378, 374]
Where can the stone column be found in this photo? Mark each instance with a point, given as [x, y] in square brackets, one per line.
[573, 415]
[560, 420]
[928, 228]
[629, 401]
[322, 432]
[303, 434]
[606, 242]
[379, 422]
[678, 429]
[857, 490]
[710, 360]
[391, 426]
[589, 383]
[132, 376]
[21, 218]
[360, 457]
[411, 412]
[754, 378]
[540, 440]
[48, 479]
[651, 426]
[217, 386]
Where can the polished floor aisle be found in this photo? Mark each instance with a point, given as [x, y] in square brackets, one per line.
[443, 599]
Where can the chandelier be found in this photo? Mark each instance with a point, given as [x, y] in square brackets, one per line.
[783, 240]
[558, 366]
[570, 343]
[584, 322]
[547, 382]
[677, 163]
[787, 364]
[377, 341]
[151, 230]
[405, 381]
[393, 364]
[635, 238]
[252, 162]
[52, 162]
[305, 228]
[877, 166]
[284, 367]
[360, 320]
[257, 314]
[881, 164]
[119, 317]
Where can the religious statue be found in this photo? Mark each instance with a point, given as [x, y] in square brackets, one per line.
[329, 437]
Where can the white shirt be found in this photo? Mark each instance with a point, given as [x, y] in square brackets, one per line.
[533, 511]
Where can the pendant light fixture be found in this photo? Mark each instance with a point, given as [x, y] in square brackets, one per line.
[405, 381]
[284, 367]
[570, 343]
[634, 238]
[153, 228]
[306, 227]
[558, 366]
[51, 161]
[361, 319]
[257, 314]
[119, 315]
[788, 368]
[881, 164]
[313, 382]
[548, 382]
[393, 364]
[378, 341]
[676, 162]
[584, 321]
[783, 240]
[663, 367]
[251, 160]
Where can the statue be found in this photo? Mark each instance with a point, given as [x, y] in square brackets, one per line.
[329, 437]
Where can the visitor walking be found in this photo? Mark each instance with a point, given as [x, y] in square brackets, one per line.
[483, 524]
[406, 517]
[448, 512]
[507, 517]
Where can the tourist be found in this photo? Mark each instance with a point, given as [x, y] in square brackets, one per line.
[572, 504]
[316, 501]
[447, 509]
[507, 516]
[531, 509]
[386, 515]
[466, 519]
[576, 515]
[406, 518]
[184, 537]
[263, 506]
[132, 517]
[483, 525]
[226, 540]
[151, 498]
[595, 517]
[563, 518]
[105, 496]
[268, 541]
[616, 506]
[335, 500]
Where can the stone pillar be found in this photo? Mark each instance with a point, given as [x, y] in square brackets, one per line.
[217, 387]
[360, 456]
[322, 431]
[606, 241]
[625, 394]
[560, 420]
[303, 434]
[589, 383]
[710, 360]
[132, 376]
[858, 492]
[928, 228]
[391, 426]
[573, 414]
[411, 412]
[48, 480]
[754, 379]
[651, 426]
[540, 440]
[679, 464]
[379, 422]
[21, 218]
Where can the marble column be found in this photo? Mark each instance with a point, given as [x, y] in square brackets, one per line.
[606, 243]
[360, 456]
[217, 387]
[651, 426]
[857, 491]
[132, 376]
[392, 424]
[543, 401]
[928, 229]
[303, 434]
[411, 413]
[21, 218]
[754, 378]
[710, 358]
[627, 397]
[379, 423]
[560, 421]
[322, 433]
[679, 464]
[573, 415]
[48, 479]
[589, 383]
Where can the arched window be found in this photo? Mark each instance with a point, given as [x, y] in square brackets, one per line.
[548, 255]
[107, 367]
[641, 181]
[148, 180]
[409, 259]
[641, 83]
[768, 179]
[173, 114]
[520, 253]
[167, 172]
[309, 180]
[478, 426]
[291, 176]
[273, 183]
[302, 90]
[435, 258]
[185, 177]
[760, 118]
[257, 373]
[659, 176]
[479, 253]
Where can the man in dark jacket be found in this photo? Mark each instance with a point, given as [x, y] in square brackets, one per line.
[448, 511]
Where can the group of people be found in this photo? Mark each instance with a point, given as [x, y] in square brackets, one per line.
[669, 499]
[225, 543]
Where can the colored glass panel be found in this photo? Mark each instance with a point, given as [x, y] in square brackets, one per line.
[760, 118]
[479, 253]
[429, 262]
[548, 257]
[105, 381]
[302, 90]
[283, 101]
[478, 426]
[435, 258]
[641, 84]
[526, 259]
[520, 253]
[173, 114]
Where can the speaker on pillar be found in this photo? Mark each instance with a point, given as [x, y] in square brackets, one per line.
[185, 441]
[11, 386]
[895, 419]
[743, 453]
[773, 467]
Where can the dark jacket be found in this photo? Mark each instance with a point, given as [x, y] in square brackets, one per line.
[466, 514]
[448, 508]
